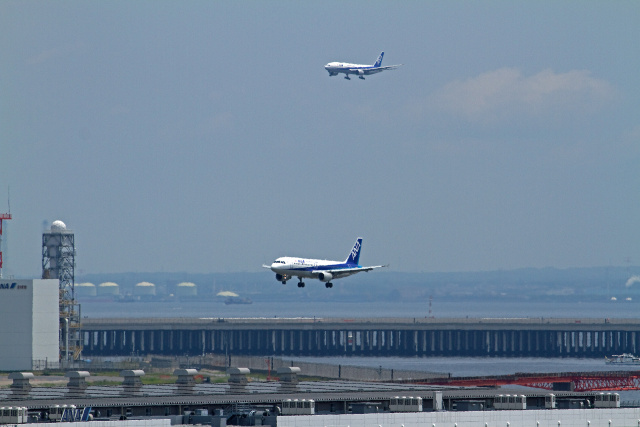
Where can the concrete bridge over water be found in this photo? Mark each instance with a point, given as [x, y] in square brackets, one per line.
[479, 337]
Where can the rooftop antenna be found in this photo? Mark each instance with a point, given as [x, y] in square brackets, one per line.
[4, 216]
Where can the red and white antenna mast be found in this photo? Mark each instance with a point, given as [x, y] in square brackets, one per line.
[2, 218]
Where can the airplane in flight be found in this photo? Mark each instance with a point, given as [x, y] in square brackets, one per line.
[323, 270]
[335, 68]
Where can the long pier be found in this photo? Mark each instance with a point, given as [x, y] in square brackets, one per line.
[480, 337]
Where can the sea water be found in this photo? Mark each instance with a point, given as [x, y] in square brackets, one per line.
[336, 309]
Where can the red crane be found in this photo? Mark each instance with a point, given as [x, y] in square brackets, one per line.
[581, 381]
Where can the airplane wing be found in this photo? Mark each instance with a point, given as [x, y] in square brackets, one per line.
[368, 71]
[344, 272]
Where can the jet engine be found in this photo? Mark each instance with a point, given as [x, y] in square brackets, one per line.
[361, 72]
[282, 277]
[325, 277]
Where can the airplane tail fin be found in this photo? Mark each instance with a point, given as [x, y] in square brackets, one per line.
[379, 60]
[354, 255]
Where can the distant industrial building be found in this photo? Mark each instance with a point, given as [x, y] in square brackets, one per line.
[108, 289]
[186, 289]
[86, 290]
[29, 315]
[58, 262]
[144, 289]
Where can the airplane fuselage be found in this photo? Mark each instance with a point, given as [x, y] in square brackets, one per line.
[324, 270]
[334, 68]
[304, 267]
[360, 70]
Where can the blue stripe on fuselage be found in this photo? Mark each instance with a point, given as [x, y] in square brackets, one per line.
[325, 267]
[348, 69]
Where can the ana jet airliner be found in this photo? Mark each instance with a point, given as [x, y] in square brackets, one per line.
[335, 68]
[323, 270]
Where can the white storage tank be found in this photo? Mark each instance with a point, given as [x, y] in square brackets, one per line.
[186, 289]
[108, 289]
[85, 290]
[144, 289]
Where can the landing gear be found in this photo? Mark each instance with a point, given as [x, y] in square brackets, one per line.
[360, 77]
[301, 283]
[329, 285]
[284, 282]
[347, 77]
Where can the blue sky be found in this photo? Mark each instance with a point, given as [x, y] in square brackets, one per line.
[206, 136]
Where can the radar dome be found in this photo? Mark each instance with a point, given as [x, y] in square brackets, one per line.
[58, 226]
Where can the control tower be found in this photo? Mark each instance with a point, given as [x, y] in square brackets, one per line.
[58, 262]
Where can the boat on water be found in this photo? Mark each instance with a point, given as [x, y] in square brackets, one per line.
[623, 359]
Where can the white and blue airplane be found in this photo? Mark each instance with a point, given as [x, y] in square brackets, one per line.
[323, 270]
[335, 68]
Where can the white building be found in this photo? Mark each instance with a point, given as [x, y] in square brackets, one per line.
[30, 319]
